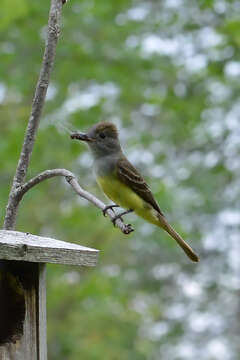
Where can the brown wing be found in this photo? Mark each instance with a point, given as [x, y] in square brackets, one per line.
[131, 177]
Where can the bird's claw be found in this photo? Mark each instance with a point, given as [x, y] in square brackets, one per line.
[119, 216]
[127, 227]
[108, 207]
[115, 219]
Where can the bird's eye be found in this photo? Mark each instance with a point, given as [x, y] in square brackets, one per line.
[102, 135]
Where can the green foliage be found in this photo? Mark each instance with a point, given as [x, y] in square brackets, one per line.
[167, 73]
[19, 9]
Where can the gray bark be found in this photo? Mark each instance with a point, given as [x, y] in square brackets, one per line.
[72, 180]
[37, 106]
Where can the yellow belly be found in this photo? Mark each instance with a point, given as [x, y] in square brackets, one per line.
[125, 197]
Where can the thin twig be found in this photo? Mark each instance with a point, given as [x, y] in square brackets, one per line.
[37, 106]
[72, 180]
[47, 174]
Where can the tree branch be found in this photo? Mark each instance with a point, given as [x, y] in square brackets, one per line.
[47, 174]
[37, 106]
[72, 180]
[18, 187]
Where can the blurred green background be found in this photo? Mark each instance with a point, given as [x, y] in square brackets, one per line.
[167, 74]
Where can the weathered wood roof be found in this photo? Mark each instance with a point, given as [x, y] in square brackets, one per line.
[15, 245]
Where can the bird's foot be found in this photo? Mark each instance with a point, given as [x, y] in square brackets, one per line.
[109, 207]
[119, 216]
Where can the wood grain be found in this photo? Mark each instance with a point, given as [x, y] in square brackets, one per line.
[29, 341]
[15, 245]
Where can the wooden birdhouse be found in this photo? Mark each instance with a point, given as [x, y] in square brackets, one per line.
[23, 259]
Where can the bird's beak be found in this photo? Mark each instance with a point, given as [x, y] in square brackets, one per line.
[81, 136]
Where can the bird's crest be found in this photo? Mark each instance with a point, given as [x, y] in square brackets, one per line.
[107, 126]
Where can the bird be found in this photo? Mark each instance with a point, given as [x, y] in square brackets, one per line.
[122, 182]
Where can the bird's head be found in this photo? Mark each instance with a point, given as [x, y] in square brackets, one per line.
[102, 139]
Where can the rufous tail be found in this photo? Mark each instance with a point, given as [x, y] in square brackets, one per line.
[186, 248]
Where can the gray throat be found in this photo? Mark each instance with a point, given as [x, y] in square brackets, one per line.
[106, 164]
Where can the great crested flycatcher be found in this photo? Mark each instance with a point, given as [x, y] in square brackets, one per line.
[122, 183]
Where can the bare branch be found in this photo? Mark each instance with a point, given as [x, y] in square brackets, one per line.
[47, 174]
[18, 188]
[37, 105]
[53, 33]
[72, 180]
